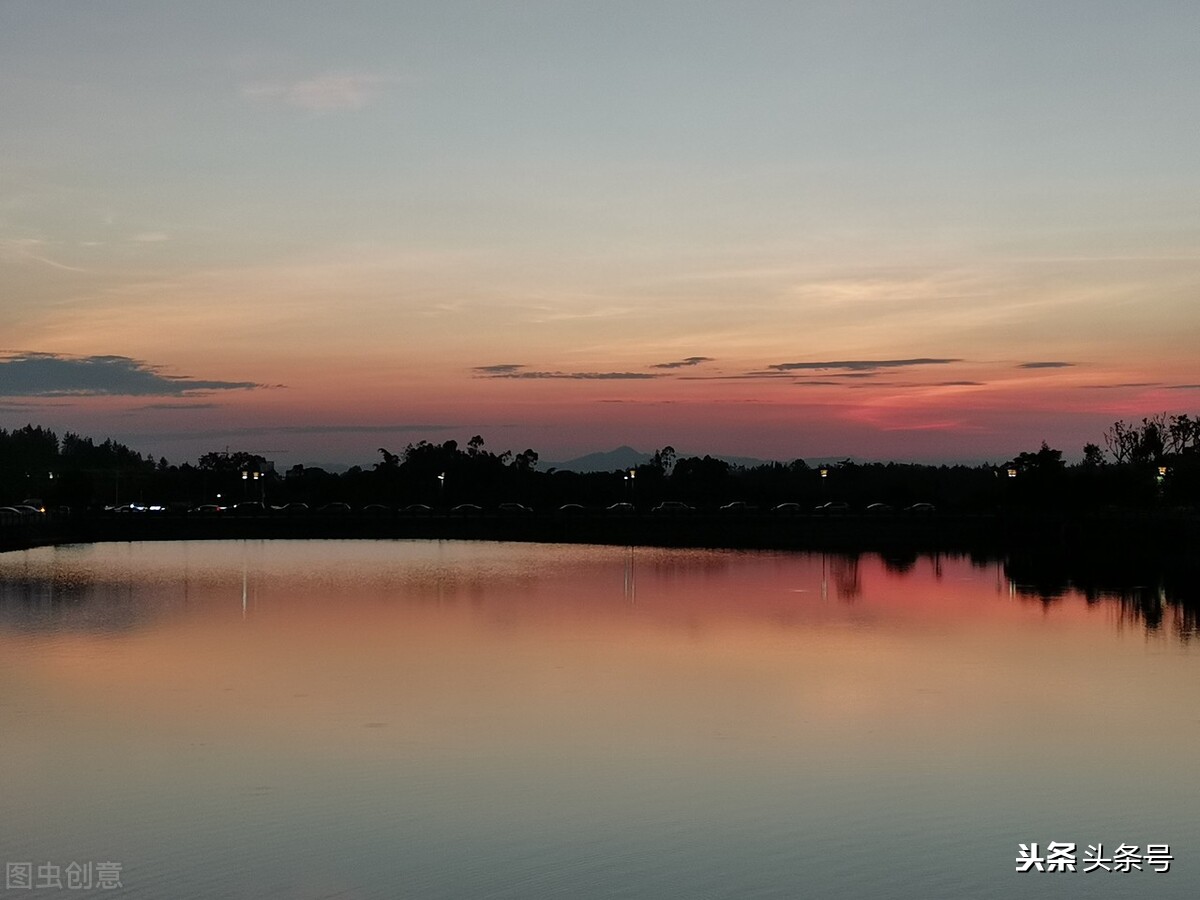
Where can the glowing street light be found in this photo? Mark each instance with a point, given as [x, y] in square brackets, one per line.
[258, 476]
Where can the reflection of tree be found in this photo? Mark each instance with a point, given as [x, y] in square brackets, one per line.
[845, 575]
[900, 561]
[56, 603]
[1185, 622]
[1156, 591]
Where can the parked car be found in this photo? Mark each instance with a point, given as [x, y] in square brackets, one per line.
[417, 509]
[833, 507]
[572, 509]
[921, 509]
[786, 509]
[376, 509]
[337, 508]
[672, 508]
[877, 509]
[621, 509]
[467, 509]
[514, 509]
[736, 507]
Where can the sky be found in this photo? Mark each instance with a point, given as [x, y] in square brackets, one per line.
[931, 231]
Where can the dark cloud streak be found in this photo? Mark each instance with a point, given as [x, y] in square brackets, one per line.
[683, 363]
[571, 376]
[54, 375]
[1123, 384]
[173, 406]
[861, 364]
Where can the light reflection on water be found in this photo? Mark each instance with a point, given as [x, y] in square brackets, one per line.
[439, 719]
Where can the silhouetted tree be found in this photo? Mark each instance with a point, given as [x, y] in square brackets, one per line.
[525, 461]
[1093, 456]
[390, 460]
[663, 459]
[1149, 442]
[238, 461]
[1122, 439]
[1150, 445]
[86, 472]
[29, 449]
[705, 479]
[1183, 434]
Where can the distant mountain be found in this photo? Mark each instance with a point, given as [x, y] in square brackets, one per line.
[608, 461]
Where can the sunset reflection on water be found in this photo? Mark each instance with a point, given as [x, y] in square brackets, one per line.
[512, 720]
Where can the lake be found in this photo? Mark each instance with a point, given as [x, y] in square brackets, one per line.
[438, 719]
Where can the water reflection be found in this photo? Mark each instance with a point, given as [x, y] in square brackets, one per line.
[1153, 592]
[630, 582]
[126, 586]
[373, 719]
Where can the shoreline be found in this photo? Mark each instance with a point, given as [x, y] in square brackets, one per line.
[1122, 532]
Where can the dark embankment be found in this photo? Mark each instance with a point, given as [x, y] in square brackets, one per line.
[1119, 533]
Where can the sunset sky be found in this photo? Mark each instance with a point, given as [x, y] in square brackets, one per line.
[934, 231]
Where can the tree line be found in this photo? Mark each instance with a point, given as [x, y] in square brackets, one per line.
[1154, 463]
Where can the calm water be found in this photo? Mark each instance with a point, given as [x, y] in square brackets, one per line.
[445, 720]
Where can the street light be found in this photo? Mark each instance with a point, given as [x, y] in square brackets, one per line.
[256, 476]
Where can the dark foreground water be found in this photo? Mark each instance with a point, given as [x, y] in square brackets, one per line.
[457, 720]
